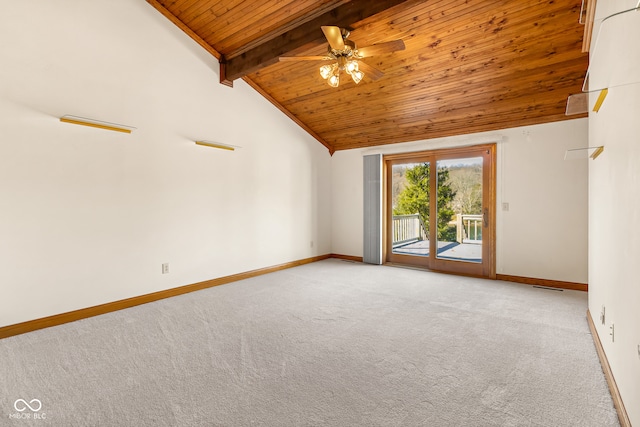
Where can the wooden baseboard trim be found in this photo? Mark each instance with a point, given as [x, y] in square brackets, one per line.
[83, 313]
[544, 282]
[608, 374]
[348, 257]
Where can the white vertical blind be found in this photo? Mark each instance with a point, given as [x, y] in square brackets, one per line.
[373, 209]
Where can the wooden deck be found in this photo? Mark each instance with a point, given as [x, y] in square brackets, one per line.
[469, 252]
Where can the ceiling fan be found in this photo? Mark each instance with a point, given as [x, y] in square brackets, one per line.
[344, 55]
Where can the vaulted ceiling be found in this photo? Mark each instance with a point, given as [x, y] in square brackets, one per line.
[469, 65]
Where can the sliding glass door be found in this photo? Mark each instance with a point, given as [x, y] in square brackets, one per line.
[440, 210]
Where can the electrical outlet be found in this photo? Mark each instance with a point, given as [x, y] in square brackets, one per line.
[165, 268]
[505, 207]
[612, 333]
[602, 315]
[311, 244]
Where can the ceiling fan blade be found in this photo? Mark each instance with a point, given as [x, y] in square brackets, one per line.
[369, 71]
[334, 37]
[304, 58]
[380, 48]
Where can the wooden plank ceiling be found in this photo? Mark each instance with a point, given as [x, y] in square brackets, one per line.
[469, 65]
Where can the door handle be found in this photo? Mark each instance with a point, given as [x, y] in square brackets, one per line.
[485, 217]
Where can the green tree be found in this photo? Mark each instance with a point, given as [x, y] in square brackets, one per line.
[414, 198]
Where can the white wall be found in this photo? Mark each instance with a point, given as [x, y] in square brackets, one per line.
[544, 233]
[88, 216]
[614, 200]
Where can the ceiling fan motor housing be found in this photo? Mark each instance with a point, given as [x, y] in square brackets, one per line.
[348, 51]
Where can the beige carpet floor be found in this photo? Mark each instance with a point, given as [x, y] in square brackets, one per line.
[331, 343]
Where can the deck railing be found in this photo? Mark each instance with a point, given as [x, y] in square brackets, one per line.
[408, 228]
[411, 228]
[469, 228]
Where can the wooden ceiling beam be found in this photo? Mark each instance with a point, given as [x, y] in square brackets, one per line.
[305, 36]
[280, 29]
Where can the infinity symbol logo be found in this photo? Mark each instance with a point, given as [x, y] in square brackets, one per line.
[21, 403]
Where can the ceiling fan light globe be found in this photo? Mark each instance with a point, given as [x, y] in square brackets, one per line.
[334, 80]
[357, 76]
[351, 67]
[325, 71]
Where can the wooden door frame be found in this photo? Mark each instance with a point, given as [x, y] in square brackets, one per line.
[488, 266]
